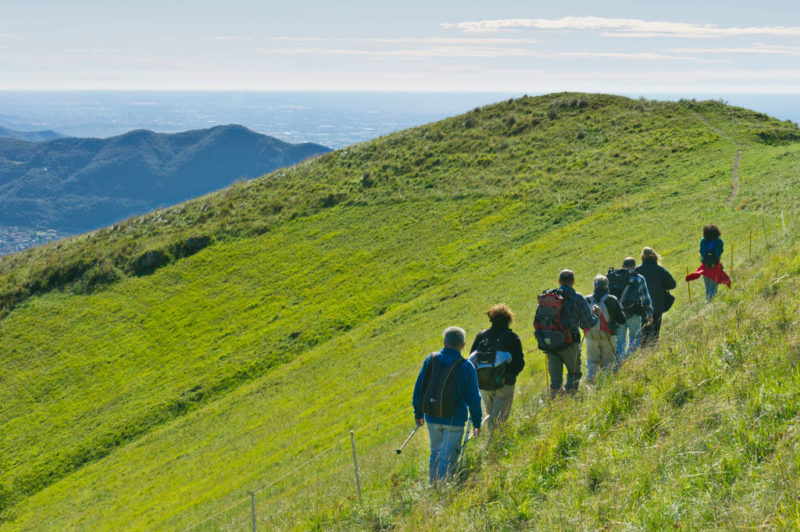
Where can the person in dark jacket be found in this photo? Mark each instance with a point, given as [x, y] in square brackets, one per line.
[578, 315]
[509, 351]
[711, 248]
[446, 432]
[659, 283]
[601, 340]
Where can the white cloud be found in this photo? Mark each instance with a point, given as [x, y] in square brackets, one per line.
[413, 40]
[480, 52]
[622, 27]
[774, 49]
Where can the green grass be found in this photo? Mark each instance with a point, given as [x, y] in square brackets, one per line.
[155, 401]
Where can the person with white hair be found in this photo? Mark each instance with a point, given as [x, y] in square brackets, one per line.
[446, 389]
[601, 340]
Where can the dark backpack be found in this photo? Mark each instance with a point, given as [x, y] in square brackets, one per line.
[622, 286]
[710, 258]
[439, 383]
[549, 323]
[490, 377]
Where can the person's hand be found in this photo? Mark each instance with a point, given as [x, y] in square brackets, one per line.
[649, 322]
[595, 310]
[420, 421]
[476, 431]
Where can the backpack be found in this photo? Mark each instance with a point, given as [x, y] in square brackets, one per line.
[490, 376]
[439, 383]
[601, 330]
[549, 323]
[710, 258]
[621, 286]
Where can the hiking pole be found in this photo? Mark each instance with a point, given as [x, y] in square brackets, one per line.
[468, 436]
[688, 286]
[400, 450]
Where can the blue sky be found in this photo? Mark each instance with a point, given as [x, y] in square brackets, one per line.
[628, 47]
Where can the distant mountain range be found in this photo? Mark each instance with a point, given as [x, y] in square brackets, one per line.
[79, 184]
[31, 136]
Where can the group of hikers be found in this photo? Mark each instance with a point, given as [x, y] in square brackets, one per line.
[623, 313]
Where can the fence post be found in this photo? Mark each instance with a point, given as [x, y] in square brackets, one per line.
[253, 509]
[751, 245]
[688, 286]
[731, 261]
[355, 465]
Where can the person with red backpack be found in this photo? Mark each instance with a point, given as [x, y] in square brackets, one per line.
[559, 315]
[446, 388]
[497, 355]
[601, 340]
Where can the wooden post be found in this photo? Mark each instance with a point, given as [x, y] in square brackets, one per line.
[355, 465]
[731, 261]
[253, 509]
[688, 286]
[751, 244]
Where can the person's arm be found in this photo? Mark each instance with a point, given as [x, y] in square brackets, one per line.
[646, 302]
[615, 310]
[720, 248]
[472, 393]
[702, 248]
[586, 319]
[517, 356]
[475, 342]
[667, 281]
[416, 399]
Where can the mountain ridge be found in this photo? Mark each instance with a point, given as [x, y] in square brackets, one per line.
[76, 185]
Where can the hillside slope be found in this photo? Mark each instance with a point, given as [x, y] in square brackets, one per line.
[30, 136]
[156, 398]
[74, 184]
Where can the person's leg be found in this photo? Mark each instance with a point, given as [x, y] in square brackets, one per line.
[554, 367]
[635, 332]
[489, 399]
[655, 328]
[711, 288]
[503, 399]
[435, 465]
[572, 360]
[607, 353]
[622, 341]
[592, 358]
[451, 447]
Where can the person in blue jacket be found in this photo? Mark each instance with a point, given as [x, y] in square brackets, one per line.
[458, 388]
[711, 248]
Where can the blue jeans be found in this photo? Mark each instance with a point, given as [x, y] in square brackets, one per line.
[445, 446]
[629, 336]
[711, 288]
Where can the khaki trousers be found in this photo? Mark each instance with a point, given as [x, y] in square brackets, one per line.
[498, 403]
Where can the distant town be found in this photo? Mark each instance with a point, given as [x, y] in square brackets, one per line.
[14, 239]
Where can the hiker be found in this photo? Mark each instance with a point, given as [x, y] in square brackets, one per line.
[601, 340]
[659, 282]
[711, 247]
[559, 314]
[630, 289]
[445, 389]
[497, 355]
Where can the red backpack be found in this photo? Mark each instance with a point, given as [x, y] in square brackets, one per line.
[549, 326]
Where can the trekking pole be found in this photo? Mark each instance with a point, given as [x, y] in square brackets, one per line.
[468, 436]
[400, 449]
[688, 286]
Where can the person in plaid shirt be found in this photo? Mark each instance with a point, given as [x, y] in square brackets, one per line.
[629, 336]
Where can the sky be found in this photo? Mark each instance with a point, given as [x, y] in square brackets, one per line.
[642, 46]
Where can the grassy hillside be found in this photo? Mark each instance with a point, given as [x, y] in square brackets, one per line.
[156, 397]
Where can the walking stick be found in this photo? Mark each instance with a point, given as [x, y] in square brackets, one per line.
[400, 450]
[467, 437]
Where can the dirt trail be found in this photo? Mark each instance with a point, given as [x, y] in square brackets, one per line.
[735, 169]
